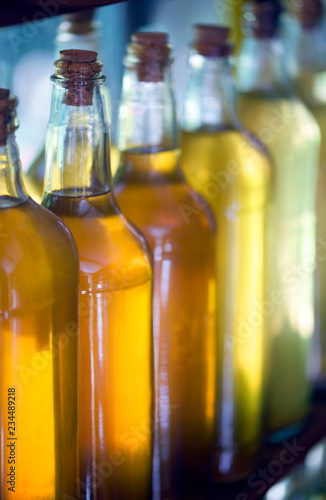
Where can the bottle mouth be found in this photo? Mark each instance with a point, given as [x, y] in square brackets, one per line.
[78, 71]
[149, 53]
[8, 116]
[310, 13]
[261, 19]
[211, 40]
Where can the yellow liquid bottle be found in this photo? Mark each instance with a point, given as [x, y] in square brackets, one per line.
[115, 387]
[152, 193]
[289, 131]
[224, 165]
[38, 337]
[309, 79]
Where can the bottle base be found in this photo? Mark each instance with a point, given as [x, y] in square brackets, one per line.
[231, 465]
[287, 432]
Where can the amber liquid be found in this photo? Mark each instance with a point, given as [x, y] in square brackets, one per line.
[38, 355]
[155, 198]
[116, 421]
[292, 138]
[234, 178]
[33, 178]
[307, 86]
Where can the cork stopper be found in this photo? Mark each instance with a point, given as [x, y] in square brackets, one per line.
[78, 23]
[262, 18]
[79, 69]
[8, 124]
[211, 41]
[151, 54]
[310, 13]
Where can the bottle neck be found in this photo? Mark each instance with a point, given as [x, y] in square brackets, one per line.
[261, 66]
[210, 95]
[147, 114]
[12, 191]
[77, 146]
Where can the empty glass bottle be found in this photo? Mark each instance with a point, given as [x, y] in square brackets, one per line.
[115, 388]
[38, 336]
[152, 192]
[269, 108]
[229, 168]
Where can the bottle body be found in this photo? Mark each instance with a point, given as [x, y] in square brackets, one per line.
[291, 135]
[39, 283]
[115, 401]
[234, 178]
[155, 197]
[308, 83]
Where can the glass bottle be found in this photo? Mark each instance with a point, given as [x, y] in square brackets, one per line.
[38, 336]
[153, 194]
[115, 403]
[309, 79]
[269, 108]
[229, 169]
[76, 31]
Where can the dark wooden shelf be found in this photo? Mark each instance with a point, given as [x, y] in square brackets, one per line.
[22, 11]
[277, 461]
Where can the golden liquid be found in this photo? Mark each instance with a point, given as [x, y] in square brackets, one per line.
[33, 178]
[38, 355]
[153, 196]
[292, 137]
[234, 178]
[115, 407]
[309, 87]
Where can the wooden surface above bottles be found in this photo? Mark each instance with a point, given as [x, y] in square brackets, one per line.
[22, 11]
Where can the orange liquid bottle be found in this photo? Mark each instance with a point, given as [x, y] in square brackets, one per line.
[38, 337]
[152, 192]
[115, 387]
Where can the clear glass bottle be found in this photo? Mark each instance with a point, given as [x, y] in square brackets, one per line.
[230, 170]
[38, 336]
[309, 79]
[152, 192]
[76, 31]
[115, 301]
[269, 108]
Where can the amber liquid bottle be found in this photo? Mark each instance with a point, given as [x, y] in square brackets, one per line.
[269, 108]
[38, 337]
[115, 388]
[309, 78]
[152, 192]
[224, 164]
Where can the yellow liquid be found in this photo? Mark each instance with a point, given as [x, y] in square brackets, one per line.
[116, 421]
[38, 355]
[234, 178]
[309, 87]
[155, 198]
[292, 138]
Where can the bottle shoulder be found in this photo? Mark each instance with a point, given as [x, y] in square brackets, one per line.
[167, 210]
[223, 160]
[38, 256]
[111, 250]
[279, 119]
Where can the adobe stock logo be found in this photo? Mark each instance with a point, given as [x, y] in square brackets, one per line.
[30, 28]
[263, 478]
